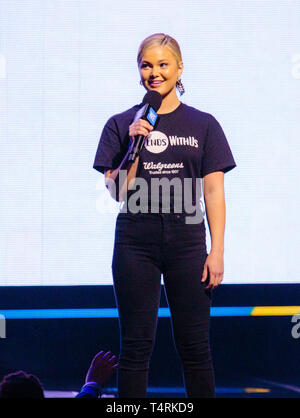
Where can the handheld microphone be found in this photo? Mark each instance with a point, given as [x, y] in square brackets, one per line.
[151, 103]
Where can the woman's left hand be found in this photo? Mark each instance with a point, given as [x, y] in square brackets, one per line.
[214, 267]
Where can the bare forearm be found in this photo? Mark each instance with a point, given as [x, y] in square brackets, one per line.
[131, 175]
[118, 188]
[216, 213]
[121, 187]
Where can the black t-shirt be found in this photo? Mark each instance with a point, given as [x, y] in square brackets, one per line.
[186, 144]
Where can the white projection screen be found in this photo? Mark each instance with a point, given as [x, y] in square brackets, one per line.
[66, 66]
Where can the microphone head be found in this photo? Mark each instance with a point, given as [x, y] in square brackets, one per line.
[154, 98]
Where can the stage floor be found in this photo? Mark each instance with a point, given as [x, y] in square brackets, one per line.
[262, 389]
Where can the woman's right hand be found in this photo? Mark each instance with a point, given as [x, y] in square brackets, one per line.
[140, 127]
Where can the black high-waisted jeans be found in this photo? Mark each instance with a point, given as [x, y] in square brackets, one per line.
[146, 246]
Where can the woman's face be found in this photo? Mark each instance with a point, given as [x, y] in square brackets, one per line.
[159, 64]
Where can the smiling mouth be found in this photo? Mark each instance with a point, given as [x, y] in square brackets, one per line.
[155, 83]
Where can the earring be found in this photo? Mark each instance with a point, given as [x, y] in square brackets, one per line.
[180, 87]
[141, 83]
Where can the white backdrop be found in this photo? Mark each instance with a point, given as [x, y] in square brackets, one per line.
[67, 66]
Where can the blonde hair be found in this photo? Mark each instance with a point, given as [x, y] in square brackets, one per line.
[159, 39]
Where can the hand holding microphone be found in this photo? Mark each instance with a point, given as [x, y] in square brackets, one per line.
[145, 120]
[140, 127]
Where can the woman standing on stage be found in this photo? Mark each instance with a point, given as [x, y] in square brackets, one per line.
[186, 144]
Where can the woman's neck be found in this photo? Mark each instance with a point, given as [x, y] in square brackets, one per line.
[169, 103]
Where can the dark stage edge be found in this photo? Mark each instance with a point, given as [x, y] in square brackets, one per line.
[273, 390]
[59, 351]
